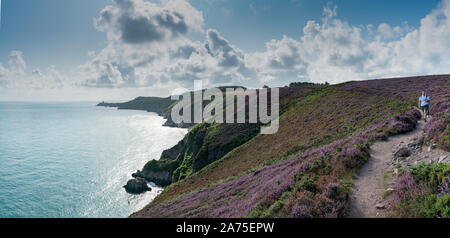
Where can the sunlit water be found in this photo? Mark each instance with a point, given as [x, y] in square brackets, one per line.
[72, 159]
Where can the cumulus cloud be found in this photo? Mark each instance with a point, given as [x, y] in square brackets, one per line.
[335, 51]
[15, 77]
[138, 21]
[329, 50]
[227, 54]
[16, 62]
[281, 55]
[50, 78]
[3, 71]
[148, 47]
[387, 32]
[155, 50]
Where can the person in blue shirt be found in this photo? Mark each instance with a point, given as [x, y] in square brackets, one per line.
[424, 104]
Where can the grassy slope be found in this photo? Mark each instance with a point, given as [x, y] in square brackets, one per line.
[206, 143]
[333, 113]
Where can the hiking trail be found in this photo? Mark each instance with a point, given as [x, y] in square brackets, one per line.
[376, 177]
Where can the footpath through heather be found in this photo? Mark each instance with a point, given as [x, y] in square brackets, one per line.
[377, 176]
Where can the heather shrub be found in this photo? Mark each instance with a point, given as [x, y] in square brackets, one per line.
[334, 191]
[301, 211]
[438, 131]
[308, 183]
[444, 143]
[445, 189]
[354, 156]
[422, 192]
[402, 123]
[319, 165]
[275, 208]
[406, 196]
[317, 205]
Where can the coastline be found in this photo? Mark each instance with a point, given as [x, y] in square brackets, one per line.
[152, 105]
[96, 147]
[160, 106]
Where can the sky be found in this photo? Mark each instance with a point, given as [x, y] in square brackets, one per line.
[78, 50]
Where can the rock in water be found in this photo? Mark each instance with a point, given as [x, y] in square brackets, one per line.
[380, 206]
[137, 186]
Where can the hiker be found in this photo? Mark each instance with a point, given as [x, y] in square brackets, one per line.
[424, 104]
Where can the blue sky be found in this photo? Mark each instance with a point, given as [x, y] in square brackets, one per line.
[250, 29]
[62, 31]
[50, 31]
[62, 35]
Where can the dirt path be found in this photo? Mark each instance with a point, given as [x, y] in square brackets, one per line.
[367, 197]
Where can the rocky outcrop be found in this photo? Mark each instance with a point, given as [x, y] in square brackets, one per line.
[172, 153]
[160, 178]
[402, 152]
[413, 152]
[137, 186]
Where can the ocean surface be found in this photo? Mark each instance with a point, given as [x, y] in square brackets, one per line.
[72, 159]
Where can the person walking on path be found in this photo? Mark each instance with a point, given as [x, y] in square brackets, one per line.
[424, 104]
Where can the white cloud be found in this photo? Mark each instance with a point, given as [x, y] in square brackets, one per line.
[159, 52]
[17, 64]
[336, 51]
[15, 77]
[281, 57]
[148, 47]
[3, 71]
[386, 32]
[138, 21]
[330, 50]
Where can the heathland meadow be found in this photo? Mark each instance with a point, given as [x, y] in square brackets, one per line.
[308, 167]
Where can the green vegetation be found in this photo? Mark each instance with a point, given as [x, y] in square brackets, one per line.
[160, 166]
[423, 191]
[313, 120]
[303, 84]
[307, 168]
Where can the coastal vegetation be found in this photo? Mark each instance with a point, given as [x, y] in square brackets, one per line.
[307, 168]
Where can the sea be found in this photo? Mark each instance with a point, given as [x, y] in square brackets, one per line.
[71, 160]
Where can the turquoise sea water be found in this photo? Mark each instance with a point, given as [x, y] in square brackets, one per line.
[72, 159]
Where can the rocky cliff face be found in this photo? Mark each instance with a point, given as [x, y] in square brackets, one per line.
[204, 144]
